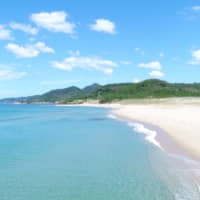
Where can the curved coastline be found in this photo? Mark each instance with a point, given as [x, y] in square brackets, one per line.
[155, 133]
[168, 125]
[162, 139]
[158, 137]
[177, 121]
[182, 160]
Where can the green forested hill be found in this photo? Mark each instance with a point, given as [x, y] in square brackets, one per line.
[64, 94]
[152, 88]
[57, 95]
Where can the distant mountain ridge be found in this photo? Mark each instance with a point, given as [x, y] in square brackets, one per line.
[151, 88]
[54, 95]
[17, 99]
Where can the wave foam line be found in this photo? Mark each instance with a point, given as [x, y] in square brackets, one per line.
[150, 134]
[112, 116]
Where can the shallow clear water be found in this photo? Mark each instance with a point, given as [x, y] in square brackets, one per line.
[63, 153]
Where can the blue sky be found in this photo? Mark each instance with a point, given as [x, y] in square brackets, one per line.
[55, 44]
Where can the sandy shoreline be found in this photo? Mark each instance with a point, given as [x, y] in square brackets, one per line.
[175, 123]
[181, 122]
[177, 117]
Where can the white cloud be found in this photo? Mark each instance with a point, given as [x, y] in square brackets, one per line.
[53, 21]
[196, 8]
[43, 48]
[190, 13]
[196, 57]
[74, 53]
[151, 65]
[161, 54]
[135, 80]
[126, 62]
[156, 74]
[22, 52]
[6, 73]
[5, 34]
[24, 27]
[103, 25]
[29, 51]
[85, 62]
[137, 49]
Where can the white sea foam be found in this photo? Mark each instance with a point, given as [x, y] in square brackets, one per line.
[187, 160]
[150, 134]
[187, 191]
[112, 116]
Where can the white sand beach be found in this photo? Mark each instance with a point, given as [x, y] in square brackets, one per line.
[178, 117]
[182, 122]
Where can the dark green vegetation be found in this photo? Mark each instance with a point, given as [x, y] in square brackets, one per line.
[62, 95]
[152, 88]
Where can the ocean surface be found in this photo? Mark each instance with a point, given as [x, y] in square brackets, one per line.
[83, 153]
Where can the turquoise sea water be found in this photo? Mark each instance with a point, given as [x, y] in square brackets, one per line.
[73, 153]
